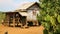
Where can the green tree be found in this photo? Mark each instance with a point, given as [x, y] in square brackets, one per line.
[50, 16]
[2, 16]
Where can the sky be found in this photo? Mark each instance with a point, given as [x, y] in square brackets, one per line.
[10, 5]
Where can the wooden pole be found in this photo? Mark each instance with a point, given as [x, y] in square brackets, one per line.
[26, 22]
[18, 21]
[13, 20]
[7, 20]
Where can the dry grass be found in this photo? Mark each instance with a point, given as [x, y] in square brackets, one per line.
[18, 30]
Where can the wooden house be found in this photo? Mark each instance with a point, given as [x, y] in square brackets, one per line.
[26, 12]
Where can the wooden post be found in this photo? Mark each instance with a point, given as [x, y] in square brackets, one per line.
[13, 20]
[37, 23]
[26, 22]
[8, 23]
[18, 21]
[7, 20]
[33, 22]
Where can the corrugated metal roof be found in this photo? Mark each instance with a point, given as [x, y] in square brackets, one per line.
[23, 6]
[26, 5]
[23, 13]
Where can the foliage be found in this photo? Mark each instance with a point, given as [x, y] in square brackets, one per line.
[2, 16]
[50, 16]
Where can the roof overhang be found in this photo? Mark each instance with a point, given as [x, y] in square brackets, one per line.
[23, 13]
[25, 6]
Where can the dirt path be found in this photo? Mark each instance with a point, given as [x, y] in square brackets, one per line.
[17, 30]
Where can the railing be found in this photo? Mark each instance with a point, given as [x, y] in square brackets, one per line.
[5, 22]
[8, 22]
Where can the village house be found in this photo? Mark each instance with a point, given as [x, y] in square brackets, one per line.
[25, 13]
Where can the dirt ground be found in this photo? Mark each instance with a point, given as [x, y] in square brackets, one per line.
[18, 30]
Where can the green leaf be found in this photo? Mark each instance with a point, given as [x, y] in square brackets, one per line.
[50, 32]
[42, 5]
[47, 18]
[45, 31]
[52, 20]
[55, 14]
[58, 18]
[46, 25]
[58, 28]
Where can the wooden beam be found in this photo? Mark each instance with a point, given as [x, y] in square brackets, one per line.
[26, 22]
[13, 20]
[7, 20]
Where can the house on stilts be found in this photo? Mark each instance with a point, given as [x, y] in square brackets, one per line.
[25, 13]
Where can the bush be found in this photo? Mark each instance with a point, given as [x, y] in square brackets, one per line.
[50, 16]
[2, 16]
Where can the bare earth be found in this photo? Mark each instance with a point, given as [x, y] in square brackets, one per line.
[18, 30]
